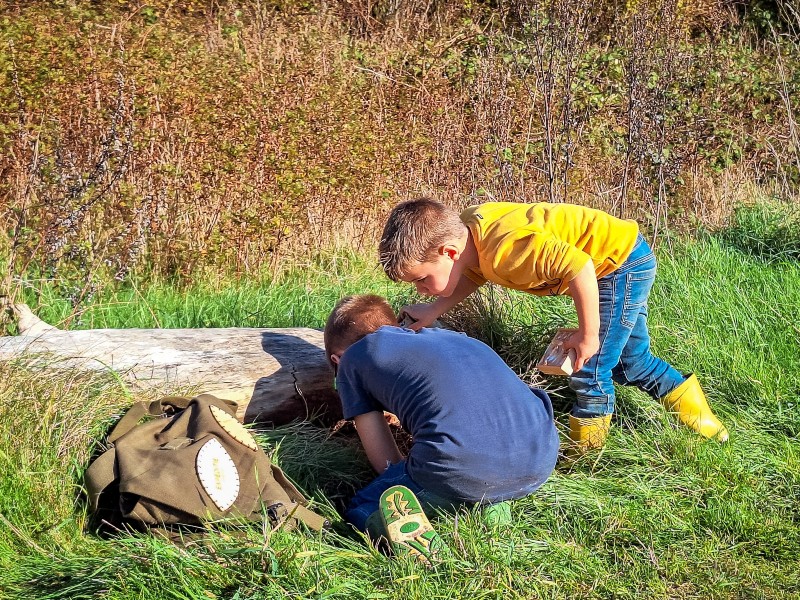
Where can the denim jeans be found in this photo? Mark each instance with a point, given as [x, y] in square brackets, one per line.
[367, 500]
[624, 355]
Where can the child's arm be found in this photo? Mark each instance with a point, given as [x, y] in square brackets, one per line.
[584, 292]
[426, 313]
[376, 437]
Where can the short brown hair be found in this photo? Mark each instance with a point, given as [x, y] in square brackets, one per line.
[352, 318]
[413, 232]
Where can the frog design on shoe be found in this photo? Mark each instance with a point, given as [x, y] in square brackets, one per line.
[407, 527]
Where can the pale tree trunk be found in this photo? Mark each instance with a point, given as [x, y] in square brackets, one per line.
[276, 375]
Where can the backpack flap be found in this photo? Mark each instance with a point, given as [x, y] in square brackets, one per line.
[188, 467]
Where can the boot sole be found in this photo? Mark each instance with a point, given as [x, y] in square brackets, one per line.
[407, 527]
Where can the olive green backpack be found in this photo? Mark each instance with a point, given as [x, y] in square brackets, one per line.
[192, 463]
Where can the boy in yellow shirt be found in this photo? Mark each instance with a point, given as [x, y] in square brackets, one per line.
[545, 249]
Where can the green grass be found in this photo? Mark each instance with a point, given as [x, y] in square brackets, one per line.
[299, 296]
[658, 513]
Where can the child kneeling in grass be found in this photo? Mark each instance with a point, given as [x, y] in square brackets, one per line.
[480, 434]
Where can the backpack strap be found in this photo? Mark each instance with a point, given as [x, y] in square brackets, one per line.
[100, 474]
[164, 406]
[279, 513]
[309, 517]
[296, 507]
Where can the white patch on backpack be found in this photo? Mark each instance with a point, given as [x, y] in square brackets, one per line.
[217, 472]
[234, 428]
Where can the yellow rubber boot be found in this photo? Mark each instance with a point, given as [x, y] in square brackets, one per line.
[587, 434]
[689, 402]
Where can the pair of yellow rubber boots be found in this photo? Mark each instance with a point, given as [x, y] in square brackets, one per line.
[687, 401]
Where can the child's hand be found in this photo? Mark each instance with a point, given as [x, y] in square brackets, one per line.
[585, 347]
[420, 315]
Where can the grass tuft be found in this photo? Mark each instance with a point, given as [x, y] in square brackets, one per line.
[768, 230]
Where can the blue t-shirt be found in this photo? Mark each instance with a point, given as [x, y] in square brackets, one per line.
[480, 433]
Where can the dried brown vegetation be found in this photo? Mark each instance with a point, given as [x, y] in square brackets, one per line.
[171, 137]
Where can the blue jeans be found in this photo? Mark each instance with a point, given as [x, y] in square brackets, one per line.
[624, 355]
[367, 500]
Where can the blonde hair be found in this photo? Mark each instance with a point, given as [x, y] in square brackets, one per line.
[413, 232]
[352, 318]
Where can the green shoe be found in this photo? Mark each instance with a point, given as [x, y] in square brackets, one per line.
[407, 527]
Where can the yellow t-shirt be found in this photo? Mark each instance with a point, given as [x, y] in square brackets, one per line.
[539, 248]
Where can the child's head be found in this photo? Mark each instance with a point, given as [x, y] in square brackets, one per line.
[352, 318]
[415, 233]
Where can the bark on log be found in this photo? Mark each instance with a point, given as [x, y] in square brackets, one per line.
[276, 375]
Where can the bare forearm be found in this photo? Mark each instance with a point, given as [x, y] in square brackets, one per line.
[376, 437]
[584, 292]
[426, 313]
[464, 288]
[586, 341]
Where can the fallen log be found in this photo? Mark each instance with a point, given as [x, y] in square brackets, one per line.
[275, 375]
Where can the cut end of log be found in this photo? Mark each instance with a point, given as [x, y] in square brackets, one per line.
[27, 322]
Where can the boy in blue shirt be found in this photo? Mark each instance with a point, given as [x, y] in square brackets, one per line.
[480, 434]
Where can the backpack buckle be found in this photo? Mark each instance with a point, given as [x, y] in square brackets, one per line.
[277, 512]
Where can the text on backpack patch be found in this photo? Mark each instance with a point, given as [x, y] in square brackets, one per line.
[217, 473]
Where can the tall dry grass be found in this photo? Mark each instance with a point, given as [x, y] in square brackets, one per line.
[167, 139]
